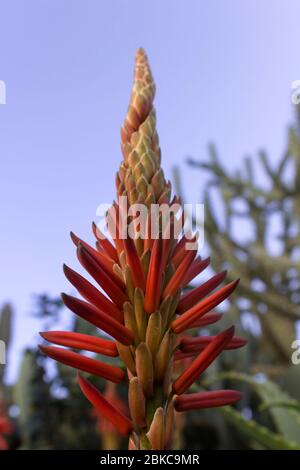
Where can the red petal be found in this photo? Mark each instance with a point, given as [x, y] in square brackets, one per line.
[113, 227]
[105, 243]
[202, 361]
[93, 295]
[166, 245]
[196, 401]
[207, 319]
[179, 255]
[92, 366]
[134, 263]
[120, 421]
[98, 318]
[100, 276]
[194, 296]
[187, 318]
[177, 280]
[179, 245]
[81, 341]
[100, 259]
[190, 346]
[196, 268]
[154, 278]
[149, 240]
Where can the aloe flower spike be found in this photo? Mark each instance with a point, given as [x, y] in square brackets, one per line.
[137, 298]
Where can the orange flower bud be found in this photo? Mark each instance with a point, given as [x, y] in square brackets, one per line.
[144, 367]
[137, 404]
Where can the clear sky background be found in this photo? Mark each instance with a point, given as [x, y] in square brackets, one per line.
[223, 70]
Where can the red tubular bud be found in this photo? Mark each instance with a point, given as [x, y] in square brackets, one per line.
[134, 263]
[196, 401]
[202, 361]
[197, 266]
[195, 295]
[81, 341]
[92, 366]
[91, 294]
[187, 318]
[98, 318]
[100, 276]
[207, 319]
[177, 280]
[120, 421]
[154, 278]
[105, 243]
[179, 256]
[190, 344]
[100, 259]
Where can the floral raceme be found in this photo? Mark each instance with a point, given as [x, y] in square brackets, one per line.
[140, 300]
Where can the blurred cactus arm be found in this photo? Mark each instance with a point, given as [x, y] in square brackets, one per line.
[270, 281]
[6, 315]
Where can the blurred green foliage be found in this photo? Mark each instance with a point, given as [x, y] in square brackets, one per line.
[252, 229]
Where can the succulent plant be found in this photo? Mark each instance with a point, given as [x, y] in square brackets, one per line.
[141, 304]
[6, 314]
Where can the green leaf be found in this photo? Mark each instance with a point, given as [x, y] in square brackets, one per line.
[286, 418]
[258, 433]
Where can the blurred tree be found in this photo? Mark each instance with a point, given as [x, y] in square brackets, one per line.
[258, 234]
[252, 221]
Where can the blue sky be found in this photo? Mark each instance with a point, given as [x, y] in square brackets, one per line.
[223, 70]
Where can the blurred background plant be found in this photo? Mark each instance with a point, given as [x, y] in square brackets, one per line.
[252, 222]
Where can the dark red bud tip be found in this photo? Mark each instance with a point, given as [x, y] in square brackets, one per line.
[74, 238]
[196, 401]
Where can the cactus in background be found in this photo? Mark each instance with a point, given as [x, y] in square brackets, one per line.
[6, 425]
[283, 410]
[5, 336]
[32, 396]
[267, 256]
[144, 311]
